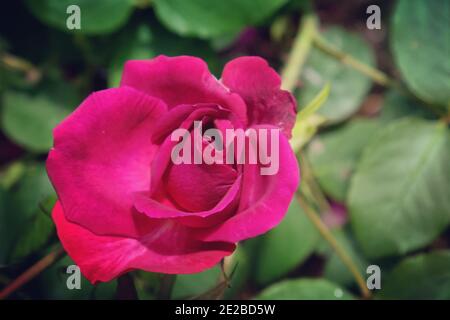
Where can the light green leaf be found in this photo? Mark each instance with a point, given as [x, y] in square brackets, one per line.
[304, 289]
[285, 247]
[425, 276]
[398, 197]
[348, 87]
[210, 18]
[97, 17]
[29, 120]
[421, 47]
[333, 155]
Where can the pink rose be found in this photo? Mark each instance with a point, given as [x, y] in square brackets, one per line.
[124, 205]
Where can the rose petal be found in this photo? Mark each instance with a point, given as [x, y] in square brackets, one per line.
[169, 248]
[259, 85]
[101, 157]
[181, 80]
[264, 199]
[155, 209]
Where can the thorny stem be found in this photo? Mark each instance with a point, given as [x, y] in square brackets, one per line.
[32, 272]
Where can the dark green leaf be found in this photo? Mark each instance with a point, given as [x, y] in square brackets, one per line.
[396, 106]
[421, 47]
[29, 120]
[189, 285]
[398, 196]
[53, 282]
[97, 17]
[286, 246]
[424, 276]
[28, 227]
[210, 18]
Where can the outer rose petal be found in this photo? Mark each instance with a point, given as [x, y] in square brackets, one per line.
[264, 199]
[259, 86]
[168, 249]
[181, 80]
[101, 157]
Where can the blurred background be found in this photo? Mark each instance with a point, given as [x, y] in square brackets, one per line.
[375, 157]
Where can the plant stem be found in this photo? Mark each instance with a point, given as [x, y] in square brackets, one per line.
[299, 52]
[341, 253]
[313, 186]
[166, 286]
[10, 61]
[32, 272]
[306, 35]
[376, 75]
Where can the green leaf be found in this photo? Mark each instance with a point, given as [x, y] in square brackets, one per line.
[333, 155]
[348, 86]
[304, 289]
[398, 197]
[421, 47]
[29, 228]
[211, 18]
[133, 45]
[96, 17]
[396, 106]
[145, 43]
[35, 235]
[425, 276]
[285, 247]
[29, 120]
[189, 285]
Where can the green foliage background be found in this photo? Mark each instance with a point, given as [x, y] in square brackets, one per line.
[380, 157]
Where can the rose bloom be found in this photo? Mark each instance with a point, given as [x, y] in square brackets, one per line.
[123, 204]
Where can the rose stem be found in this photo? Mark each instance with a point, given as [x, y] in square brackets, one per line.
[376, 75]
[32, 272]
[342, 254]
[290, 76]
[299, 52]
